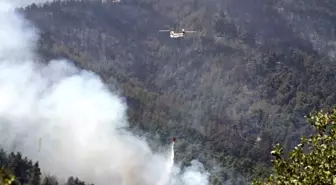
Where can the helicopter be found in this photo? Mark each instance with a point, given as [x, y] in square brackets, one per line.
[173, 139]
[175, 34]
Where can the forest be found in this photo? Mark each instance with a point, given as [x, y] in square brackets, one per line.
[242, 83]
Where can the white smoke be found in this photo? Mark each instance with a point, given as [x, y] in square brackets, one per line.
[67, 119]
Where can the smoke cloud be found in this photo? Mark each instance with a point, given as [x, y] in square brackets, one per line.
[69, 121]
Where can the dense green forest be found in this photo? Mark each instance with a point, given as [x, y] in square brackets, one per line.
[239, 85]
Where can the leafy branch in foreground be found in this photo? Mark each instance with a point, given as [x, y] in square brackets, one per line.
[313, 161]
[5, 177]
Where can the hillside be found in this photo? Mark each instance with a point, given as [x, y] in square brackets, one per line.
[252, 71]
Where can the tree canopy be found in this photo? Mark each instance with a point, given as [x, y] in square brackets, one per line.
[313, 161]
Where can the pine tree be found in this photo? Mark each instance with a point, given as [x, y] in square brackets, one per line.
[36, 175]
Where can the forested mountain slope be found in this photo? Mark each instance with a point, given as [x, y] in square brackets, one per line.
[243, 82]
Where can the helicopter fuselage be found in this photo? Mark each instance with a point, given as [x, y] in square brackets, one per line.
[173, 34]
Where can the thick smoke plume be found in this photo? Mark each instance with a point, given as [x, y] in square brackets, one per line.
[67, 119]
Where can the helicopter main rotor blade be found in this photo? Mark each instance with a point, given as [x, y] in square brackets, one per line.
[163, 30]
